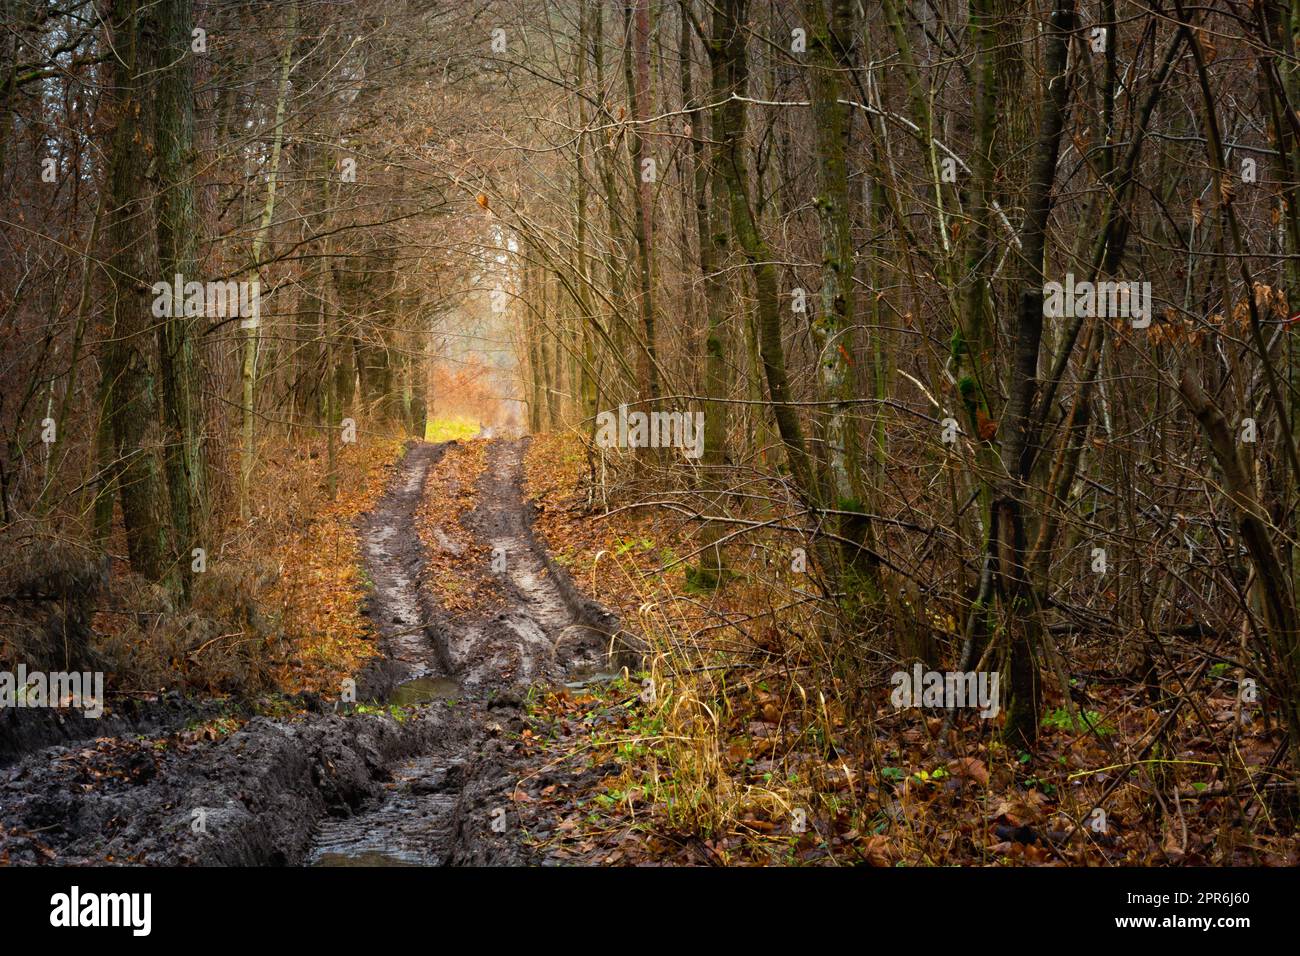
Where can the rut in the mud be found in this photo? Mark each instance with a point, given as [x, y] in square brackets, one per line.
[538, 635]
[412, 654]
[360, 789]
[429, 806]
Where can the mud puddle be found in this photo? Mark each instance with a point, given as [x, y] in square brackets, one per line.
[422, 690]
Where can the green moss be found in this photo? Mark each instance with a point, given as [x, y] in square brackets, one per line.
[969, 394]
[957, 346]
[703, 580]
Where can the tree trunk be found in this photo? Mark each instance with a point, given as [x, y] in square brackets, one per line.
[178, 232]
[727, 47]
[637, 65]
[252, 327]
[711, 231]
[840, 461]
[1007, 517]
[130, 367]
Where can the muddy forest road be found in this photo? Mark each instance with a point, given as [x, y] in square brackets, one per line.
[329, 788]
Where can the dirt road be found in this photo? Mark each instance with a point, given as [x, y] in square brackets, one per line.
[427, 782]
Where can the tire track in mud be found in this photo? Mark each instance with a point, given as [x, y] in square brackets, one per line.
[357, 789]
[537, 636]
[412, 650]
[437, 808]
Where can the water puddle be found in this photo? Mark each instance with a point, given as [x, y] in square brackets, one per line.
[413, 824]
[590, 677]
[362, 858]
[422, 690]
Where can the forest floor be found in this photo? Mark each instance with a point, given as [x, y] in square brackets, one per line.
[494, 726]
[425, 774]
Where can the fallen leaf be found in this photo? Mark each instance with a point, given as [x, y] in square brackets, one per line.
[971, 768]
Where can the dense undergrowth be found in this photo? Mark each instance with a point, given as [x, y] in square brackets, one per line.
[277, 606]
[748, 739]
[759, 730]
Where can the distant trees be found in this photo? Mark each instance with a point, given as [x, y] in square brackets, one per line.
[261, 144]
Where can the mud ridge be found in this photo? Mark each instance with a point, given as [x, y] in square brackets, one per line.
[623, 647]
[24, 731]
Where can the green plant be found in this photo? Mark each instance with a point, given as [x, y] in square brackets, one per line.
[1060, 719]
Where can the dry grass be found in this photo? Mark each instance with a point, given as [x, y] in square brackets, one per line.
[771, 738]
[279, 606]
